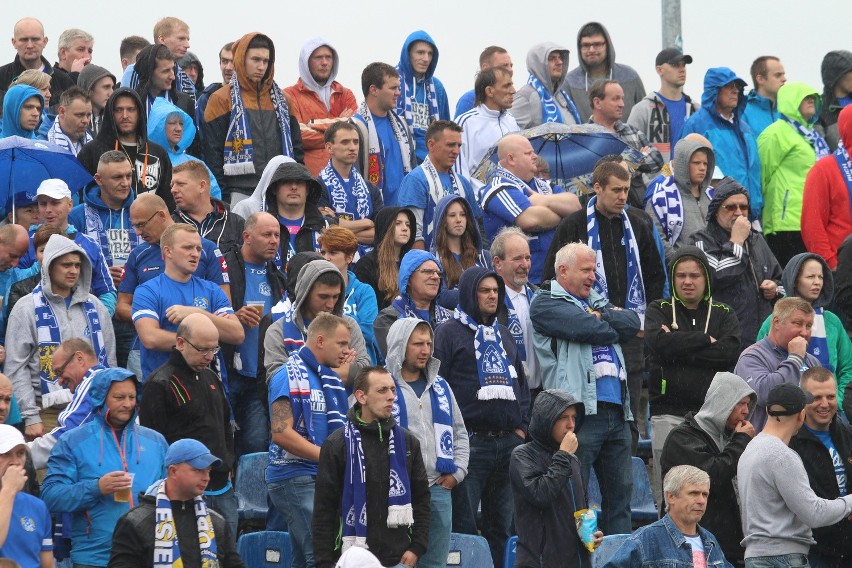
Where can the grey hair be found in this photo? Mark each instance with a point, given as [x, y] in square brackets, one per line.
[498, 245]
[66, 38]
[567, 255]
[681, 475]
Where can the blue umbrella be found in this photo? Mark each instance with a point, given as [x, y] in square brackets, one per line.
[25, 163]
[571, 151]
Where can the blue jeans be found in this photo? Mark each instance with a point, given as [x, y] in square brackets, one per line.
[487, 480]
[294, 499]
[440, 526]
[782, 561]
[226, 505]
[252, 421]
[604, 442]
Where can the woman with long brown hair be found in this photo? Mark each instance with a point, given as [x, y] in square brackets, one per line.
[379, 268]
[457, 243]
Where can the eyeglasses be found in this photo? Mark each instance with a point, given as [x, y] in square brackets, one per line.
[141, 226]
[731, 207]
[595, 45]
[207, 351]
[430, 272]
[57, 371]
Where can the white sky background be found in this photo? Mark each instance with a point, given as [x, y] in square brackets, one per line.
[716, 33]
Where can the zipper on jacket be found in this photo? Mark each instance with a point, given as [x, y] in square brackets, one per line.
[784, 207]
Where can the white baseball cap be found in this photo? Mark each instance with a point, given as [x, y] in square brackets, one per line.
[53, 188]
[10, 438]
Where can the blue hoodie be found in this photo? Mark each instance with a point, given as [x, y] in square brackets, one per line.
[13, 102]
[83, 455]
[734, 144]
[97, 220]
[157, 118]
[409, 81]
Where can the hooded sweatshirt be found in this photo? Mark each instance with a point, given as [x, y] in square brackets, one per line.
[579, 82]
[367, 268]
[685, 358]
[548, 488]
[786, 157]
[703, 441]
[526, 107]
[734, 142]
[415, 108]
[90, 451]
[316, 106]
[651, 117]
[111, 228]
[835, 65]
[23, 355]
[152, 169]
[86, 81]
[13, 102]
[255, 202]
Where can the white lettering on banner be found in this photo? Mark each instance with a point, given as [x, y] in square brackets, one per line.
[119, 243]
[420, 111]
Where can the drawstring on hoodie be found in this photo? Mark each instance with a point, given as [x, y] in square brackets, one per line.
[706, 323]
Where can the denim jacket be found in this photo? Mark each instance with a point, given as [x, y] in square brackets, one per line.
[662, 545]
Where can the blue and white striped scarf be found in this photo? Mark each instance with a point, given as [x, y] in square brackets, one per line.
[818, 343]
[408, 87]
[375, 152]
[355, 203]
[95, 229]
[841, 156]
[496, 372]
[667, 204]
[184, 83]
[166, 545]
[442, 420]
[436, 188]
[635, 299]
[516, 328]
[549, 109]
[239, 151]
[58, 137]
[503, 177]
[811, 135]
[333, 390]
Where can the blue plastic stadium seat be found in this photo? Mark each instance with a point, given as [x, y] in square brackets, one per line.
[469, 551]
[511, 549]
[607, 548]
[265, 549]
[250, 487]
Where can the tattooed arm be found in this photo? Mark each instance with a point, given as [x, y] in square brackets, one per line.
[284, 435]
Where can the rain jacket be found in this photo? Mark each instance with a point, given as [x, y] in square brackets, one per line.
[839, 345]
[22, 354]
[152, 169]
[827, 218]
[85, 454]
[526, 107]
[785, 159]
[13, 101]
[367, 268]
[548, 488]
[314, 113]
[703, 441]
[407, 75]
[94, 217]
[835, 65]
[578, 81]
[360, 304]
[684, 359]
[735, 144]
[759, 112]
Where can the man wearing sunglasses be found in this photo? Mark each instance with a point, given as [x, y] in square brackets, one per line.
[746, 275]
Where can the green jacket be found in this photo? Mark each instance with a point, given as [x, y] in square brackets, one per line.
[785, 158]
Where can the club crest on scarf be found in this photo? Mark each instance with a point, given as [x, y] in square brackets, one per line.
[397, 488]
[447, 443]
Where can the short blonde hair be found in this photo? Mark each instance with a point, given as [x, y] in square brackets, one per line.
[33, 78]
[168, 237]
[167, 26]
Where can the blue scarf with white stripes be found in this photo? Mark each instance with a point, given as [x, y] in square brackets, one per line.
[549, 109]
[336, 403]
[442, 421]
[408, 87]
[667, 205]
[812, 136]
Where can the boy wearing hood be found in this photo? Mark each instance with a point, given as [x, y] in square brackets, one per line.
[247, 122]
[124, 128]
[597, 61]
[422, 97]
[22, 106]
[720, 120]
[713, 439]
[59, 308]
[480, 361]
[544, 98]
[318, 101]
[425, 405]
[548, 487]
[98, 84]
[837, 92]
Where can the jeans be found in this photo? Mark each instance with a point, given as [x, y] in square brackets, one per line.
[252, 434]
[294, 498]
[226, 505]
[487, 480]
[604, 442]
[440, 526]
[782, 561]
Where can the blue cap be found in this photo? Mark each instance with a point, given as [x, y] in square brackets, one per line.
[192, 452]
[20, 199]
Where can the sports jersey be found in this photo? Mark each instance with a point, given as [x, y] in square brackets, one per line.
[146, 262]
[30, 531]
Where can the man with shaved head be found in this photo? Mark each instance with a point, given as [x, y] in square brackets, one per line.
[29, 41]
[516, 197]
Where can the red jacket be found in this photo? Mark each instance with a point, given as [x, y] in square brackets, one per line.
[827, 210]
[313, 118]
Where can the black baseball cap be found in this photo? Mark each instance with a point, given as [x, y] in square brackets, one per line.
[672, 55]
[787, 399]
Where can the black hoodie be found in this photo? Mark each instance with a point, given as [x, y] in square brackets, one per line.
[152, 167]
[367, 268]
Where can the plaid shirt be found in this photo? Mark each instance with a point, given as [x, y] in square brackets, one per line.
[636, 139]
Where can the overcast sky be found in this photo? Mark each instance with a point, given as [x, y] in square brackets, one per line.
[728, 33]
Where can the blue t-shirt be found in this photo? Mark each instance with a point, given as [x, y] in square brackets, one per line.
[30, 531]
[419, 386]
[824, 436]
[677, 117]
[392, 160]
[146, 262]
[414, 192]
[293, 227]
[257, 290]
[153, 298]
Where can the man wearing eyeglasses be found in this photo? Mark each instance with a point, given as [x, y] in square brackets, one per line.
[746, 276]
[184, 398]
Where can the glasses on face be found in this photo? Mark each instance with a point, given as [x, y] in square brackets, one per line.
[207, 351]
[141, 226]
[592, 45]
[731, 207]
[430, 272]
[61, 369]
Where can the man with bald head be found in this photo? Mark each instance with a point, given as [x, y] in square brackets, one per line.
[516, 197]
[29, 41]
[184, 398]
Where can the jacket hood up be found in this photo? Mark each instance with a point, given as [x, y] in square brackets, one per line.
[412, 260]
[405, 67]
[726, 187]
[468, 284]
[537, 62]
[108, 133]
[610, 49]
[715, 79]
[161, 110]
[255, 202]
[14, 100]
[835, 65]
[90, 75]
[790, 97]
[384, 222]
[398, 336]
[103, 380]
[683, 154]
[690, 253]
[725, 391]
[305, 281]
[57, 246]
[548, 407]
[295, 265]
[291, 171]
[791, 274]
[441, 210]
[146, 65]
[304, 69]
[240, 50]
[844, 126]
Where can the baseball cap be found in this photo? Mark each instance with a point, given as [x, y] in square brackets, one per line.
[787, 399]
[54, 188]
[10, 437]
[672, 55]
[192, 452]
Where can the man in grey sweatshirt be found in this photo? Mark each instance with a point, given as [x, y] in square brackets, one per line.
[779, 508]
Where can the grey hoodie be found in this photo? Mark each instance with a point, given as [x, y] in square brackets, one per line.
[322, 91]
[419, 410]
[22, 356]
[254, 203]
[726, 390]
[526, 107]
[273, 343]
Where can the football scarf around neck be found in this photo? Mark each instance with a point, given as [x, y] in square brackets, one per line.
[354, 200]
[436, 188]
[818, 344]
[496, 373]
[549, 110]
[375, 167]
[58, 137]
[812, 136]
[442, 420]
[166, 545]
[516, 328]
[407, 94]
[300, 394]
[841, 156]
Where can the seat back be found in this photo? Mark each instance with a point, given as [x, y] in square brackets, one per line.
[250, 486]
[642, 506]
[607, 548]
[469, 551]
[511, 549]
[265, 549]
